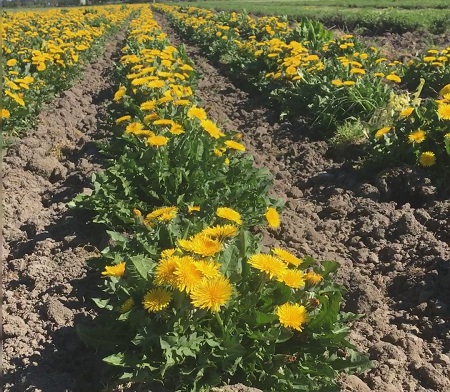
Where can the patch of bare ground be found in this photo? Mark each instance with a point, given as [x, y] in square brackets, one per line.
[47, 288]
[391, 235]
[404, 47]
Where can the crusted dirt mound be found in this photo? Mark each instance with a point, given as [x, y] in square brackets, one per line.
[390, 234]
[46, 285]
[407, 45]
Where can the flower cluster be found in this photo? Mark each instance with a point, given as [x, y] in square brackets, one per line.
[418, 131]
[42, 53]
[304, 69]
[328, 79]
[184, 275]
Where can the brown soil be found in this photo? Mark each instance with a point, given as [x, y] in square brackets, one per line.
[390, 234]
[47, 288]
[408, 45]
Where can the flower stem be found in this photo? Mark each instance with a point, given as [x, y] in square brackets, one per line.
[262, 282]
[219, 320]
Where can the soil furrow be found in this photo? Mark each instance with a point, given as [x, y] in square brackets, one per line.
[390, 234]
[47, 288]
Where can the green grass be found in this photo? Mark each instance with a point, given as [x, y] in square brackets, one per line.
[403, 4]
[397, 16]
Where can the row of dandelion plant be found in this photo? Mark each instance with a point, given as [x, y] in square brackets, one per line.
[399, 113]
[44, 52]
[190, 300]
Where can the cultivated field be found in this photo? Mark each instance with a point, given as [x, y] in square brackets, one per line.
[197, 200]
[370, 17]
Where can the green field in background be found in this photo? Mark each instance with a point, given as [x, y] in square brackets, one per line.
[369, 15]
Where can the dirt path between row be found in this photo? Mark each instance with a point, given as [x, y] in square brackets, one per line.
[390, 234]
[47, 288]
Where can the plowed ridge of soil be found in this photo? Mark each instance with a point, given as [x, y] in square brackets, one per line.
[46, 285]
[390, 234]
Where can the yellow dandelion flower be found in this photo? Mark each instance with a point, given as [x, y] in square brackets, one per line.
[156, 300]
[119, 93]
[156, 84]
[293, 278]
[81, 47]
[337, 82]
[163, 121]
[144, 132]
[15, 97]
[394, 78]
[165, 99]
[182, 102]
[168, 252]
[444, 111]
[165, 271]
[134, 127]
[357, 71]
[150, 118]
[11, 62]
[162, 214]
[114, 270]
[269, 264]
[291, 70]
[157, 141]
[349, 83]
[202, 245]
[208, 268]
[212, 129]
[445, 90]
[137, 213]
[176, 129]
[192, 209]
[5, 113]
[406, 112]
[273, 218]
[287, 256]
[427, 159]
[381, 132]
[186, 67]
[313, 278]
[188, 275]
[148, 105]
[234, 145]
[123, 119]
[220, 232]
[211, 293]
[230, 214]
[292, 316]
[417, 136]
[127, 305]
[196, 112]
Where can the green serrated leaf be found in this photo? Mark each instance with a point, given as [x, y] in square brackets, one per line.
[142, 265]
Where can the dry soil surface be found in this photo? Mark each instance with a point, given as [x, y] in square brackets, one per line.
[47, 288]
